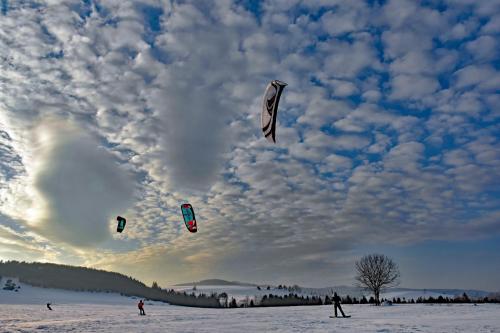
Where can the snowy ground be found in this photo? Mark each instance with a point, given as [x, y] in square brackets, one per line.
[166, 318]
[25, 311]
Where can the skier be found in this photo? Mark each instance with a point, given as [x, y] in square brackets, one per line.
[48, 306]
[141, 308]
[336, 304]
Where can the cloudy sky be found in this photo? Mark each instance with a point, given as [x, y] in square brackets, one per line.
[388, 138]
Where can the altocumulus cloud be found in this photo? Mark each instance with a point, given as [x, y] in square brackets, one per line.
[387, 132]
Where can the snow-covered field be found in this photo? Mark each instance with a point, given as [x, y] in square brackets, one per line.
[166, 318]
[25, 311]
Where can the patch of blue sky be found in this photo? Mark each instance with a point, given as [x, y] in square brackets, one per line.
[378, 44]
[336, 176]
[438, 5]
[464, 58]
[315, 15]
[14, 5]
[49, 38]
[244, 186]
[490, 196]
[287, 118]
[253, 6]
[111, 21]
[54, 55]
[376, 3]
[152, 21]
[406, 108]
[129, 153]
[4, 7]
[12, 224]
[83, 8]
[315, 167]
[131, 52]
[11, 165]
[152, 24]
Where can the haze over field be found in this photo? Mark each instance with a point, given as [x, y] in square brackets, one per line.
[388, 138]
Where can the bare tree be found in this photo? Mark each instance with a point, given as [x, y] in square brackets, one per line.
[376, 272]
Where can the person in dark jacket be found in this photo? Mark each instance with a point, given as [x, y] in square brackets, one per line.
[336, 304]
[141, 308]
[48, 306]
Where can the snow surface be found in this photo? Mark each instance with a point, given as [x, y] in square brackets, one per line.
[168, 318]
[25, 311]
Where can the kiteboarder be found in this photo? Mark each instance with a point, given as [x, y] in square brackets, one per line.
[336, 304]
[140, 305]
[48, 306]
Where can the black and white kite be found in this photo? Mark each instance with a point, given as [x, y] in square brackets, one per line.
[270, 109]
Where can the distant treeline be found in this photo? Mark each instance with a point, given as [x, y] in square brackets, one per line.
[435, 300]
[294, 288]
[74, 278]
[295, 300]
[289, 300]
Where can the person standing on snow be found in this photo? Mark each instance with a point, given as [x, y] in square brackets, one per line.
[141, 308]
[336, 304]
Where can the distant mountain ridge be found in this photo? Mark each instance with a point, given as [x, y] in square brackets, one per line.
[216, 282]
[344, 290]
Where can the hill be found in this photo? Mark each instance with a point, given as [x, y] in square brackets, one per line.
[76, 278]
[216, 282]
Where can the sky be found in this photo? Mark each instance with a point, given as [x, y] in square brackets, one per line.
[388, 138]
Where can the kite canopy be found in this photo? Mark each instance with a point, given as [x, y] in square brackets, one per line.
[121, 223]
[270, 109]
[189, 219]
